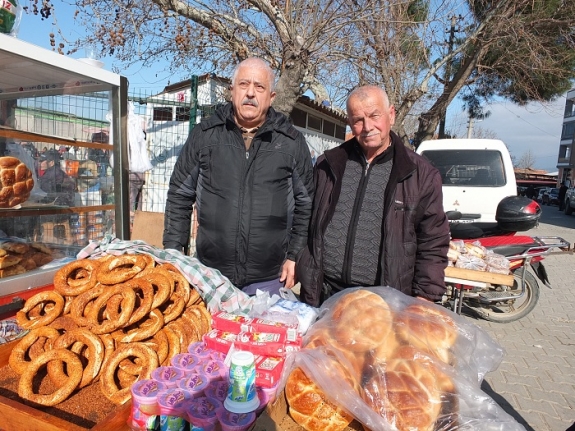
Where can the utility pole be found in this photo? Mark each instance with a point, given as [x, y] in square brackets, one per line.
[447, 75]
[470, 128]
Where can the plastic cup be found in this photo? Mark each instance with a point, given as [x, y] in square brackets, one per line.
[203, 412]
[217, 389]
[242, 395]
[145, 410]
[214, 370]
[194, 384]
[168, 376]
[230, 421]
[172, 404]
[200, 349]
[186, 362]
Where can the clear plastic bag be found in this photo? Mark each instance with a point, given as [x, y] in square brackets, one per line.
[373, 347]
[467, 261]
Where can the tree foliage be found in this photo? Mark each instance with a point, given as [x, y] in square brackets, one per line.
[522, 50]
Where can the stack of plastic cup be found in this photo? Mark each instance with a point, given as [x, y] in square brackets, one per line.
[213, 369]
[173, 404]
[145, 410]
[168, 376]
[200, 349]
[235, 421]
[217, 389]
[242, 395]
[186, 362]
[194, 384]
[203, 413]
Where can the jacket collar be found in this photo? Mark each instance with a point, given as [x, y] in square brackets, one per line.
[274, 121]
[403, 166]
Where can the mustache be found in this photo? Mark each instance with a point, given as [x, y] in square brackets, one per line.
[252, 102]
[365, 135]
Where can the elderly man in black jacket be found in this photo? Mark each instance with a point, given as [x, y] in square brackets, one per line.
[378, 216]
[249, 172]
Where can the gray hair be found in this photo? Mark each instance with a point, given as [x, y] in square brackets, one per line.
[256, 63]
[367, 91]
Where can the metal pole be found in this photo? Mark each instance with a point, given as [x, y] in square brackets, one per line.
[447, 76]
[194, 101]
[470, 128]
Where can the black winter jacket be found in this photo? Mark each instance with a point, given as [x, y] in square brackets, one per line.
[415, 229]
[253, 206]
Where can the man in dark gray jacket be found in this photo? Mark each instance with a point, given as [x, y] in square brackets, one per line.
[249, 172]
[378, 216]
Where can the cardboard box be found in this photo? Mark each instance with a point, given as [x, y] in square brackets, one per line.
[275, 417]
[268, 370]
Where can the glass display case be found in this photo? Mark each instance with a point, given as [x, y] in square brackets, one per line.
[64, 121]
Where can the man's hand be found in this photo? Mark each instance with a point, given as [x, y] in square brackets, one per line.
[288, 274]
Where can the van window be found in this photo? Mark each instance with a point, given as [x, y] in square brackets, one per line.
[473, 168]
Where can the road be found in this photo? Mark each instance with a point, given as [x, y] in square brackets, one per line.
[535, 383]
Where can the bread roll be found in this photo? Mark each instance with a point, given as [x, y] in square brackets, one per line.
[12, 270]
[9, 260]
[309, 407]
[431, 330]
[410, 392]
[16, 182]
[15, 247]
[363, 321]
[475, 250]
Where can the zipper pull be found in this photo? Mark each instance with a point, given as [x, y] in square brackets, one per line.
[247, 155]
[366, 167]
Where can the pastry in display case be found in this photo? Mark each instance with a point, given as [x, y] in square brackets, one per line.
[59, 137]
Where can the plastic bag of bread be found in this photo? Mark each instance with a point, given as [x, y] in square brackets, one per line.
[497, 263]
[468, 261]
[16, 182]
[392, 362]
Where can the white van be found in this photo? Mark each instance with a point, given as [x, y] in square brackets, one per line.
[477, 174]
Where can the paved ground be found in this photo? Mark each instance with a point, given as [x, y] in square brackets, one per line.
[536, 381]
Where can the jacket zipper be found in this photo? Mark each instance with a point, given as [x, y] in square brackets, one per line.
[347, 257]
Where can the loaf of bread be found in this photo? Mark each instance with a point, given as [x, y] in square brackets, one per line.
[12, 270]
[310, 408]
[411, 392]
[16, 182]
[363, 321]
[9, 260]
[431, 330]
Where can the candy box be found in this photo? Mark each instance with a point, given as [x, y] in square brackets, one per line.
[220, 341]
[268, 370]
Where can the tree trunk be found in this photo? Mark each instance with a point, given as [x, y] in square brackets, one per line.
[288, 87]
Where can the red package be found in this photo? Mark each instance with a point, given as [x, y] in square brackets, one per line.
[266, 343]
[268, 370]
[229, 322]
[220, 341]
[235, 323]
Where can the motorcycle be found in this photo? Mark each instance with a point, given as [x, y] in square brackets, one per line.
[505, 299]
[498, 297]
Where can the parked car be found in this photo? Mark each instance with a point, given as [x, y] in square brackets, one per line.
[551, 197]
[540, 194]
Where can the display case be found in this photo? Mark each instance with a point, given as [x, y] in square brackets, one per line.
[65, 120]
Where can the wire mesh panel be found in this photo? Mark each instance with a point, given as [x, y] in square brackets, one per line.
[64, 140]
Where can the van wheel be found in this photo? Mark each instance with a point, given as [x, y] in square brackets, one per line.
[568, 210]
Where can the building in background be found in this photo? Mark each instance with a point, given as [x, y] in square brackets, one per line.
[168, 120]
[566, 158]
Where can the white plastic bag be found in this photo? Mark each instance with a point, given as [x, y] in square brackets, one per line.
[139, 161]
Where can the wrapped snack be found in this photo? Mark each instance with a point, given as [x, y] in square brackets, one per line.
[458, 245]
[452, 255]
[393, 362]
[467, 261]
[10, 15]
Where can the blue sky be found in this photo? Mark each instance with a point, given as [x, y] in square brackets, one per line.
[535, 127]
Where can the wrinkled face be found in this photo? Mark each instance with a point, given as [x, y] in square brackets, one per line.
[370, 121]
[251, 95]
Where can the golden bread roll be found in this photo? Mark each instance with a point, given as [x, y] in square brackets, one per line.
[452, 255]
[16, 182]
[411, 392]
[431, 330]
[9, 260]
[362, 321]
[12, 270]
[309, 407]
[15, 247]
